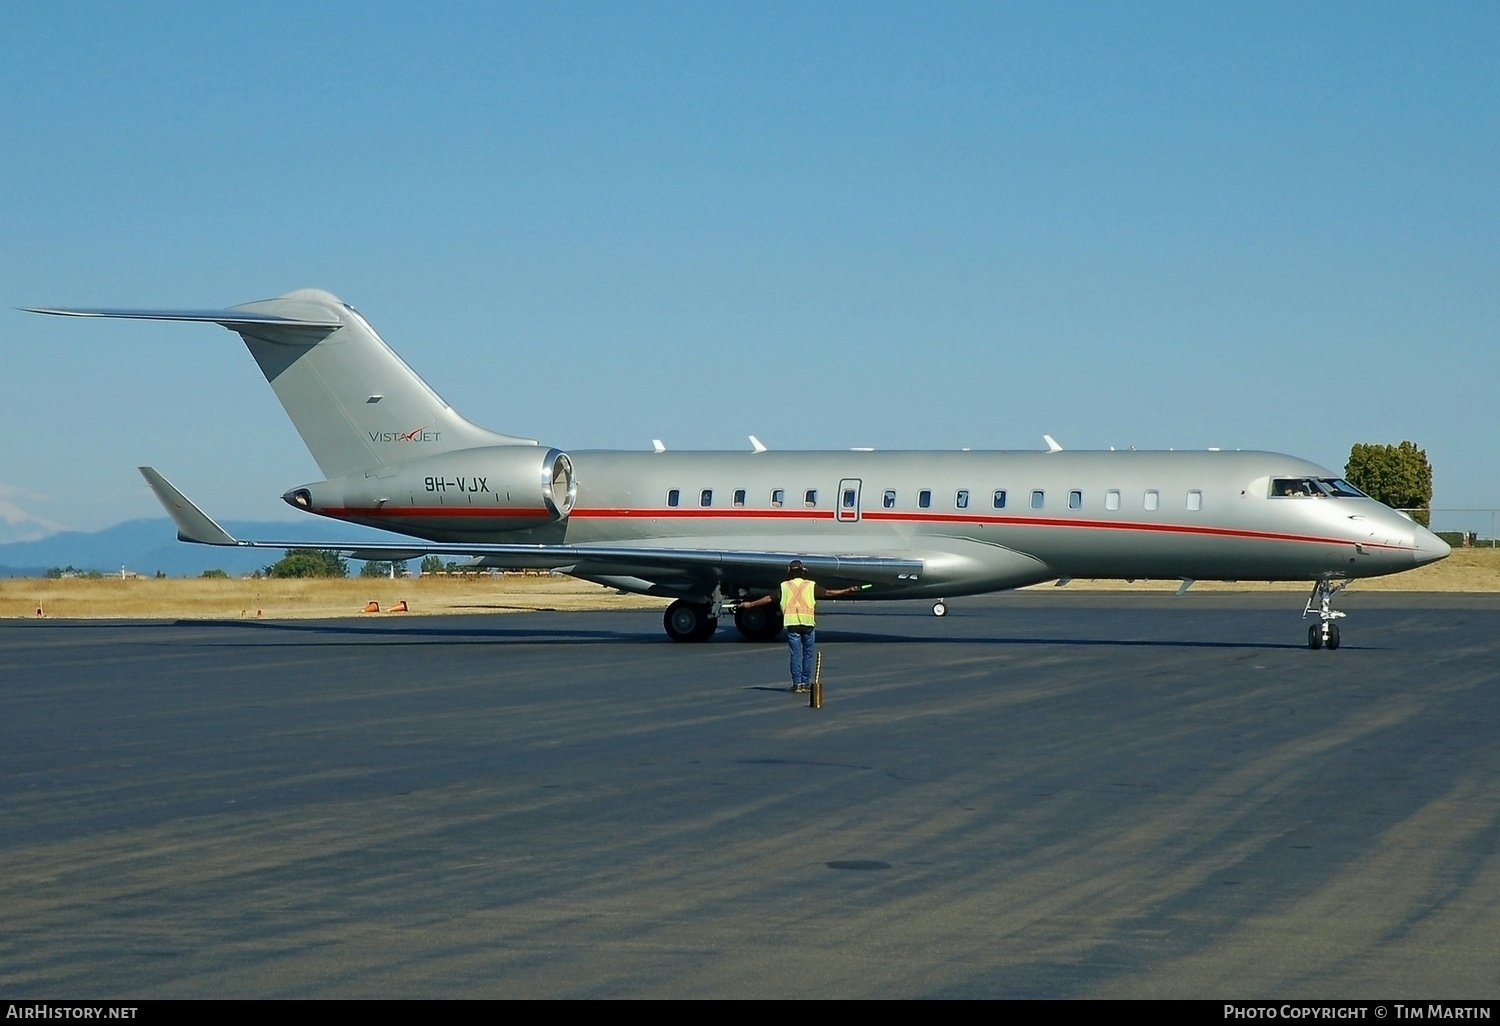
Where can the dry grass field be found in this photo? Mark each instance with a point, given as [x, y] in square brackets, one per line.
[194, 598]
[1467, 570]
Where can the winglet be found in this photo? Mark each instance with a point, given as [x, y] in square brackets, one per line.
[193, 525]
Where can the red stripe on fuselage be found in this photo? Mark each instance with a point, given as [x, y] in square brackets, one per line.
[691, 512]
[1191, 529]
[435, 511]
[880, 516]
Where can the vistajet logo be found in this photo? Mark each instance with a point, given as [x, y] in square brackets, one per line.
[421, 434]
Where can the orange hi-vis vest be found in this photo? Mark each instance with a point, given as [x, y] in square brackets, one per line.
[798, 600]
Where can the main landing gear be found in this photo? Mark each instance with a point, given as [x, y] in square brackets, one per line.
[1324, 633]
[689, 621]
[940, 608]
[762, 623]
[695, 621]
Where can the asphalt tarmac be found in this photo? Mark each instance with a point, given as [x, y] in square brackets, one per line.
[1040, 795]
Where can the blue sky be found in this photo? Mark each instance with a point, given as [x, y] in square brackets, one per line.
[897, 225]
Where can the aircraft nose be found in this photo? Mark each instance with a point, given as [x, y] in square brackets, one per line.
[1428, 548]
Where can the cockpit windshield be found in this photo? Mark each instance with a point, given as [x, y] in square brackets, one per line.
[1314, 488]
[1341, 489]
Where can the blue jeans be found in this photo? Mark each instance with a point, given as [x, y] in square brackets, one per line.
[802, 646]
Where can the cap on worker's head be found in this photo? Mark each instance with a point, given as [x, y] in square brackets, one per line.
[795, 567]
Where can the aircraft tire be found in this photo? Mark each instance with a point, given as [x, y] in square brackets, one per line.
[759, 624]
[940, 609]
[1333, 636]
[689, 621]
[1315, 637]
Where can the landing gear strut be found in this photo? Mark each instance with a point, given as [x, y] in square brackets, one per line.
[1324, 633]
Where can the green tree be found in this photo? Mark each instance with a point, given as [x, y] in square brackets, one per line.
[309, 563]
[1397, 475]
[431, 564]
[215, 574]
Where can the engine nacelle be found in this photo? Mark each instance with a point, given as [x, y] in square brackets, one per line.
[464, 493]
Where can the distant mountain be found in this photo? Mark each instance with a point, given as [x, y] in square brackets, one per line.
[146, 546]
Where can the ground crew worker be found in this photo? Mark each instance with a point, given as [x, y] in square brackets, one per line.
[799, 599]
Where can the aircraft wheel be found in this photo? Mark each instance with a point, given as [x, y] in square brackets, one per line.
[1333, 636]
[1315, 637]
[759, 624]
[689, 621]
[940, 609]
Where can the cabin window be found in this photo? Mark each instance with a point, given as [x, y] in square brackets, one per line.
[1195, 500]
[778, 498]
[1038, 499]
[961, 500]
[706, 497]
[810, 498]
[739, 496]
[673, 497]
[1112, 499]
[849, 494]
[1153, 499]
[888, 500]
[924, 498]
[999, 498]
[1075, 500]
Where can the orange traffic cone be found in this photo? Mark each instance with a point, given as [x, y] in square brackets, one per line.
[372, 607]
[399, 607]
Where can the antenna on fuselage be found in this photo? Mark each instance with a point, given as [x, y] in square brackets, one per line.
[657, 446]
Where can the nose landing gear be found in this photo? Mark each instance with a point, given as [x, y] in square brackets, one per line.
[1324, 633]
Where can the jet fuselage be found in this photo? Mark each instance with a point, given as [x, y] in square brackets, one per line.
[981, 521]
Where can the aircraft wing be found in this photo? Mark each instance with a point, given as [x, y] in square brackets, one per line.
[658, 564]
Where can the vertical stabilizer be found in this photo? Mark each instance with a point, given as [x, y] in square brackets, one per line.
[356, 403]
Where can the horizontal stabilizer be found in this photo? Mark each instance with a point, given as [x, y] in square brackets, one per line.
[356, 404]
[228, 318]
[193, 525]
